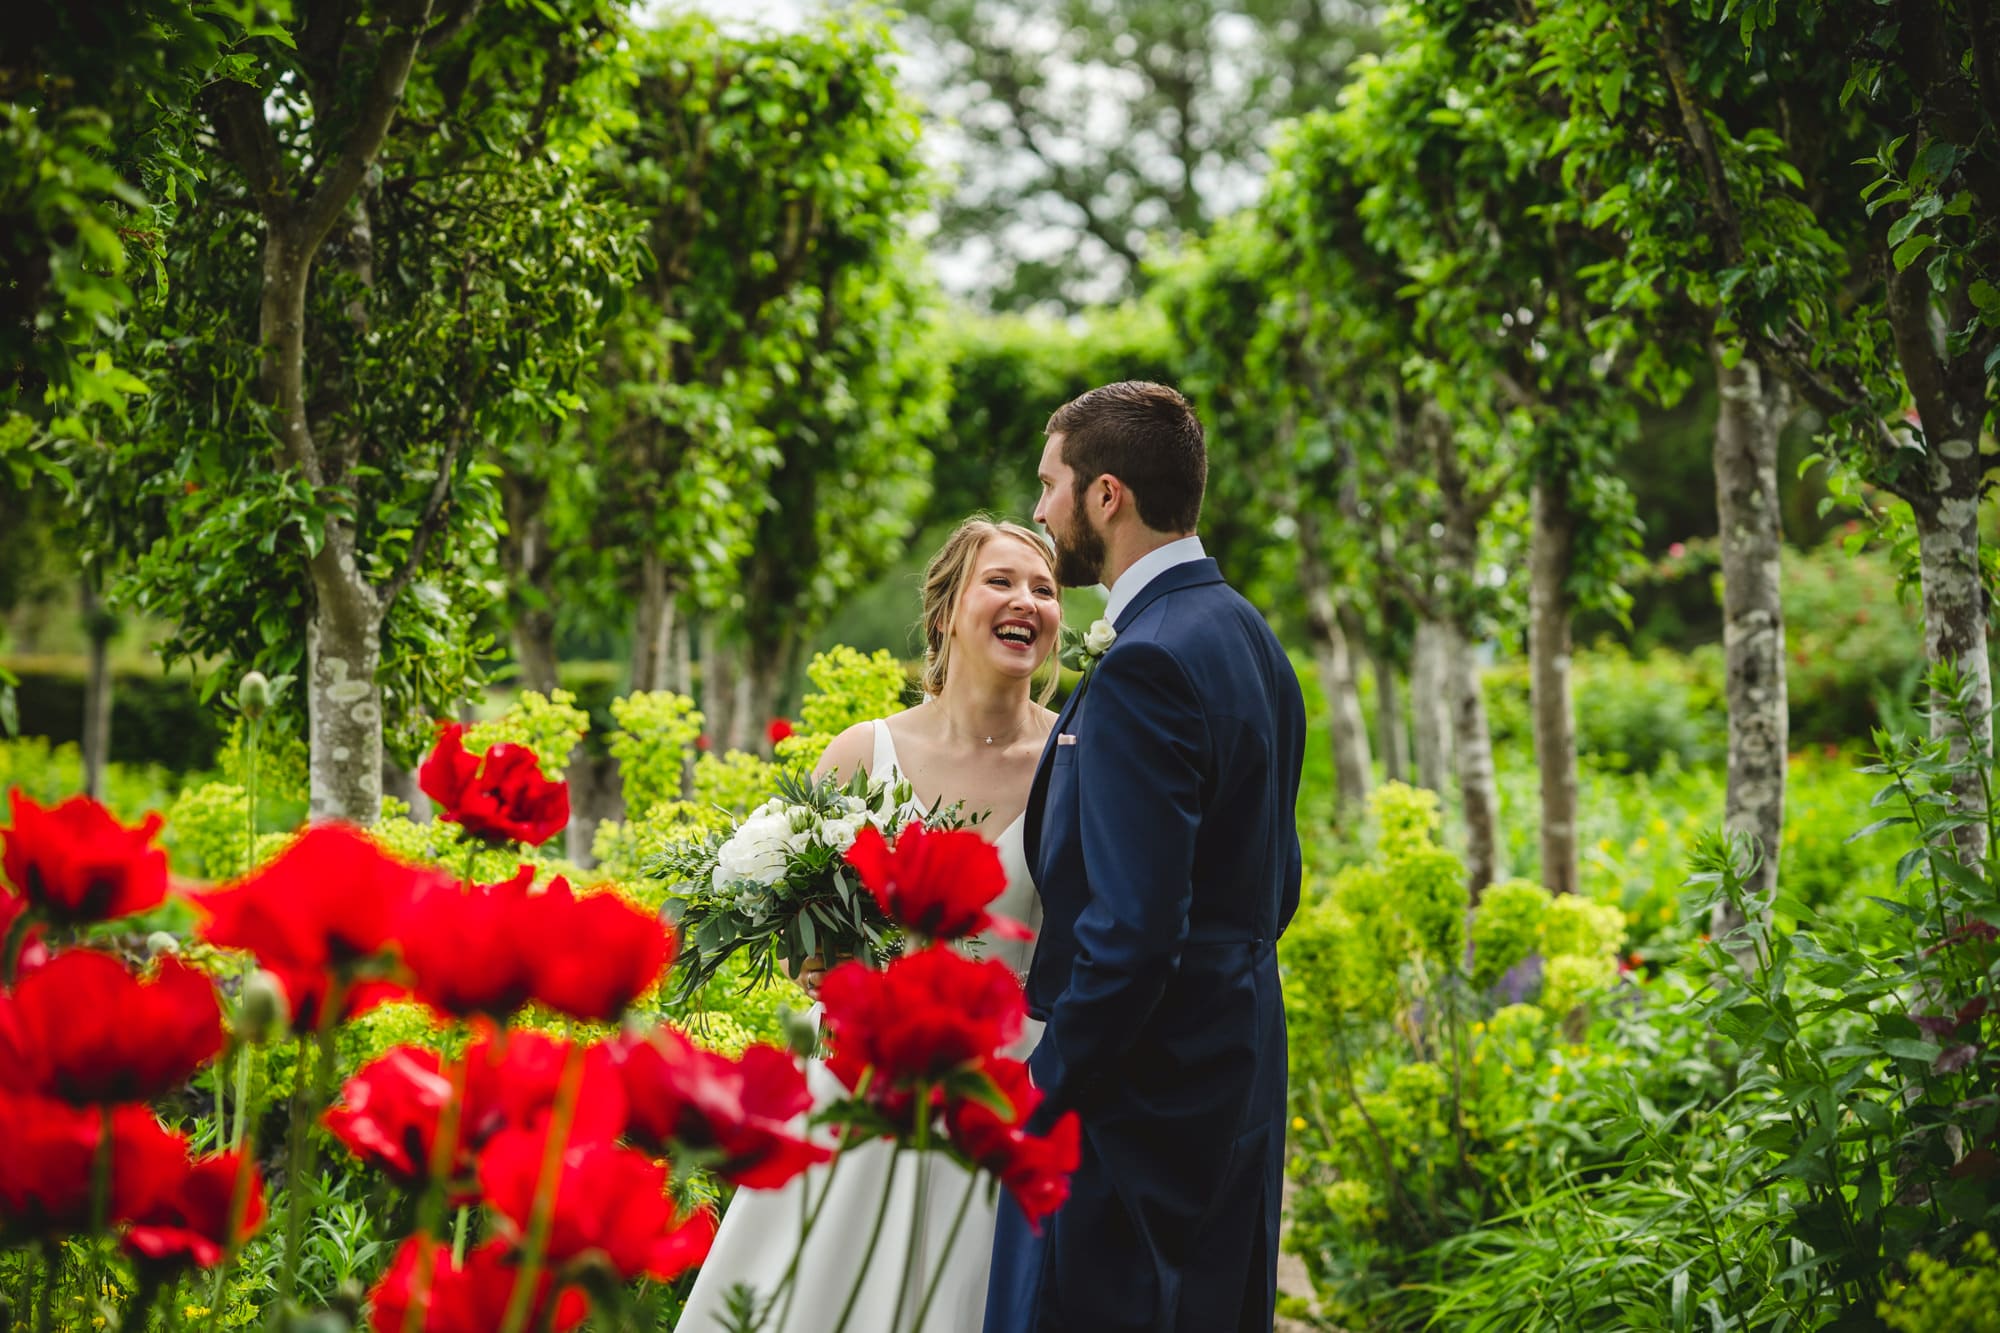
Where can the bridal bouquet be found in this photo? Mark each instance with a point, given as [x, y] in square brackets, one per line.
[778, 888]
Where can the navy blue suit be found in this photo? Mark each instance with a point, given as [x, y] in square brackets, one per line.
[1164, 844]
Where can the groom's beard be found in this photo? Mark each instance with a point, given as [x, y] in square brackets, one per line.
[1080, 551]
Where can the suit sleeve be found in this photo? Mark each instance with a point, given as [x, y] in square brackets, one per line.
[1140, 752]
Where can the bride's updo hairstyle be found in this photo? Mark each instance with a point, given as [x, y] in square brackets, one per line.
[944, 584]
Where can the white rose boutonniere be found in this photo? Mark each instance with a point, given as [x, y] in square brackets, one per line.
[1082, 652]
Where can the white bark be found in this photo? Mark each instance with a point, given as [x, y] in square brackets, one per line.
[1747, 429]
[1431, 704]
[1478, 789]
[343, 701]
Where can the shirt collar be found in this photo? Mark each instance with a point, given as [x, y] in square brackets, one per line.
[1181, 551]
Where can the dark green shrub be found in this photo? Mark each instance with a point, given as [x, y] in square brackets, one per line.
[155, 718]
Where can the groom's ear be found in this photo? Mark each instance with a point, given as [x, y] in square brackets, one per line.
[1108, 496]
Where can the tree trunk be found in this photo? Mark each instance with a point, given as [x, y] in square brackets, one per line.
[1430, 704]
[718, 685]
[1335, 661]
[680, 664]
[1479, 792]
[1950, 392]
[100, 625]
[653, 626]
[764, 678]
[595, 795]
[529, 560]
[1392, 734]
[1549, 558]
[1747, 426]
[343, 702]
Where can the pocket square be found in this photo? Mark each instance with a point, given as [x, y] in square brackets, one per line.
[1065, 738]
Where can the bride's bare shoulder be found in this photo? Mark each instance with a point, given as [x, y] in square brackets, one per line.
[851, 750]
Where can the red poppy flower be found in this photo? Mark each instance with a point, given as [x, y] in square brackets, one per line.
[778, 729]
[471, 950]
[925, 1015]
[331, 900]
[190, 1223]
[497, 796]
[76, 862]
[51, 1155]
[472, 1299]
[388, 1112]
[936, 883]
[83, 1028]
[594, 955]
[610, 1201]
[511, 1080]
[1035, 1169]
[739, 1109]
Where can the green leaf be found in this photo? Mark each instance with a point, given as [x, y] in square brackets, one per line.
[1906, 253]
[1908, 1048]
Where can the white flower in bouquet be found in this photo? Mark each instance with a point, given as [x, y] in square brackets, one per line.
[759, 850]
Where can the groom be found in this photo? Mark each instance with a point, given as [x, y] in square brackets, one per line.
[1161, 833]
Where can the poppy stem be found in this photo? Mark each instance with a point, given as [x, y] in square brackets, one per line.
[444, 1152]
[786, 1284]
[232, 1239]
[100, 1174]
[874, 1236]
[253, 734]
[458, 1238]
[17, 941]
[950, 1239]
[295, 1176]
[136, 1310]
[45, 1308]
[913, 1247]
[542, 1217]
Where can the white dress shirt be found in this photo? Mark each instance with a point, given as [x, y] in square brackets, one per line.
[1181, 551]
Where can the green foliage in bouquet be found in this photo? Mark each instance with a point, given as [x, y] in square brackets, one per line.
[776, 889]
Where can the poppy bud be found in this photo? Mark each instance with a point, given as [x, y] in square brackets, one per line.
[161, 941]
[253, 695]
[264, 1012]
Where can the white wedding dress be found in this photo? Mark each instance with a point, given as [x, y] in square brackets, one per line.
[760, 1231]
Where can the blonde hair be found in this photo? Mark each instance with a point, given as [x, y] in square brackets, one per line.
[944, 585]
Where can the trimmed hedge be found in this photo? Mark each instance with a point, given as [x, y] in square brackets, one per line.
[155, 718]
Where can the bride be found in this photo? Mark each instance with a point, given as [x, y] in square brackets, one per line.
[991, 608]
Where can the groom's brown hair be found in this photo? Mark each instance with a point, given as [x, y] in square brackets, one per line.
[1146, 435]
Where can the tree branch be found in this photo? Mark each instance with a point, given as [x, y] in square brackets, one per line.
[394, 58]
[452, 24]
[248, 141]
[432, 517]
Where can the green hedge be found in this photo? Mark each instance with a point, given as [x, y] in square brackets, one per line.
[155, 718]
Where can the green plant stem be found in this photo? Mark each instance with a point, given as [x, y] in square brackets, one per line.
[10, 951]
[299, 1149]
[950, 1240]
[243, 1057]
[239, 1208]
[542, 1218]
[912, 1249]
[458, 1237]
[295, 1184]
[810, 1220]
[444, 1153]
[874, 1237]
[45, 1307]
[136, 1310]
[100, 1174]
[254, 729]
